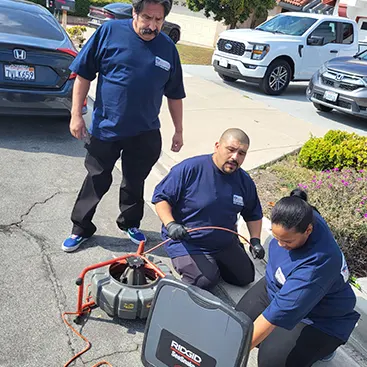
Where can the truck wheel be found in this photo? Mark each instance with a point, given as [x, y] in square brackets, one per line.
[322, 108]
[227, 78]
[277, 78]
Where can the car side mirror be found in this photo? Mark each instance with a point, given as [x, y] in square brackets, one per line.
[315, 41]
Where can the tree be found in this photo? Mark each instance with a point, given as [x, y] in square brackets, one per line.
[232, 11]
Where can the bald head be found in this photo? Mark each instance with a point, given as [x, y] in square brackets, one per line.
[231, 150]
[236, 134]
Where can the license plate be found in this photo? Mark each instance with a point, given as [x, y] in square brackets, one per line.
[223, 63]
[96, 21]
[330, 96]
[19, 72]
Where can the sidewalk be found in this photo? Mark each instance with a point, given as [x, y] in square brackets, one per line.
[209, 109]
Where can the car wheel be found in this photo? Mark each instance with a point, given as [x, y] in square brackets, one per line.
[277, 78]
[322, 108]
[174, 35]
[227, 78]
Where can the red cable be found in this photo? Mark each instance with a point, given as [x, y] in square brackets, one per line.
[89, 297]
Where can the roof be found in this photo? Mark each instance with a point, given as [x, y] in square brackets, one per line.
[299, 3]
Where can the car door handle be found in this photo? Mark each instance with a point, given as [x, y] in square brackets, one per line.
[333, 51]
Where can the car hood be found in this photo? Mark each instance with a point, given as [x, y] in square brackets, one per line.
[253, 35]
[349, 65]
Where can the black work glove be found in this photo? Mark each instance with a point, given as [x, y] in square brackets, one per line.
[176, 231]
[256, 249]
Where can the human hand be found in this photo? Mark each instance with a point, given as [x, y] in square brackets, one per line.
[256, 249]
[77, 127]
[177, 142]
[176, 231]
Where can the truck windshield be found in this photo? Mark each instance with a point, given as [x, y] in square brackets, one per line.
[287, 24]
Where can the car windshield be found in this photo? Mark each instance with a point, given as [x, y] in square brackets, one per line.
[287, 24]
[21, 23]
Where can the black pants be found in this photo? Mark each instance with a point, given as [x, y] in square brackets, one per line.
[204, 271]
[138, 156]
[300, 347]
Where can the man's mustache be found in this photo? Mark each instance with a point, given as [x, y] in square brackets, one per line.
[145, 31]
[233, 162]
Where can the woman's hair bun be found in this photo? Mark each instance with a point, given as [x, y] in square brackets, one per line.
[299, 193]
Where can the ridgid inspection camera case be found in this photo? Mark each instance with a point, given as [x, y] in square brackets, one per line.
[190, 327]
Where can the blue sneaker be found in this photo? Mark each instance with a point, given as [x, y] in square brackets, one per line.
[136, 235]
[328, 358]
[73, 242]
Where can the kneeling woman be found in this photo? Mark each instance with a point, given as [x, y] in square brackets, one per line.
[303, 309]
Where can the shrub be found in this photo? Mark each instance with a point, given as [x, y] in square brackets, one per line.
[102, 3]
[76, 33]
[336, 149]
[81, 8]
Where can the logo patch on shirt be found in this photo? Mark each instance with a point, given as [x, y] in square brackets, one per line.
[344, 270]
[279, 276]
[163, 64]
[237, 200]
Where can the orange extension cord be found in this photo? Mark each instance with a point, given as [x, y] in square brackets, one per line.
[89, 297]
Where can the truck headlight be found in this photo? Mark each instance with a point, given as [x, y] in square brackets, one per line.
[259, 51]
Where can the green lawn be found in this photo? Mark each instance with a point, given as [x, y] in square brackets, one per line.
[195, 55]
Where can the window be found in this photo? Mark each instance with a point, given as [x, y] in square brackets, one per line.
[326, 30]
[364, 26]
[21, 23]
[347, 33]
[287, 24]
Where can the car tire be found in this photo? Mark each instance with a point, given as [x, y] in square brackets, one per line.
[322, 108]
[227, 78]
[174, 35]
[277, 78]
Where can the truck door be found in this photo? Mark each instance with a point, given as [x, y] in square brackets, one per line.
[348, 39]
[321, 46]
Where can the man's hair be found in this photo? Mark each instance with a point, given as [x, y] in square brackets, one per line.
[237, 134]
[140, 4]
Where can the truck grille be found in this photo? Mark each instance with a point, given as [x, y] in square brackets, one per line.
[231, 47]
[345, 86]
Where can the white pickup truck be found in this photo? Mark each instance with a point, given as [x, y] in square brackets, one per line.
[288, 47]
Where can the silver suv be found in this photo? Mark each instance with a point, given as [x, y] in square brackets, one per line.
[341, 84]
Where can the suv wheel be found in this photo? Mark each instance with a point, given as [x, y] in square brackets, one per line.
[322, 108]
[227, 78]
[277, 78]
[174, 35]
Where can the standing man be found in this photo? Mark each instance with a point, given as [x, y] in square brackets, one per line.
[136, 66]
[211, 190]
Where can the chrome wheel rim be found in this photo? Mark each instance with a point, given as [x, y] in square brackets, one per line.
[278, 78]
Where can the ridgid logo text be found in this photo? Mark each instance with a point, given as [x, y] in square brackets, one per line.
[185, 355]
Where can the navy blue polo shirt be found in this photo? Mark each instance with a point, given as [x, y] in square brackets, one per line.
[133, 77]
[310, 284]
[200, 194]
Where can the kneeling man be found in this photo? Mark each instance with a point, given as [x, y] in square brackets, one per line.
[210, 190]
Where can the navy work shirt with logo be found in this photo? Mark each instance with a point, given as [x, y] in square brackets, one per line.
[202, 195]
[310, 284]
[133, 76]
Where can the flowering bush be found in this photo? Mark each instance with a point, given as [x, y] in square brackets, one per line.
[341, 198]
[336, 149]
[339, 194]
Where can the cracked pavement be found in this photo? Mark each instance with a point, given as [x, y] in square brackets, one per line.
[42, 170]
